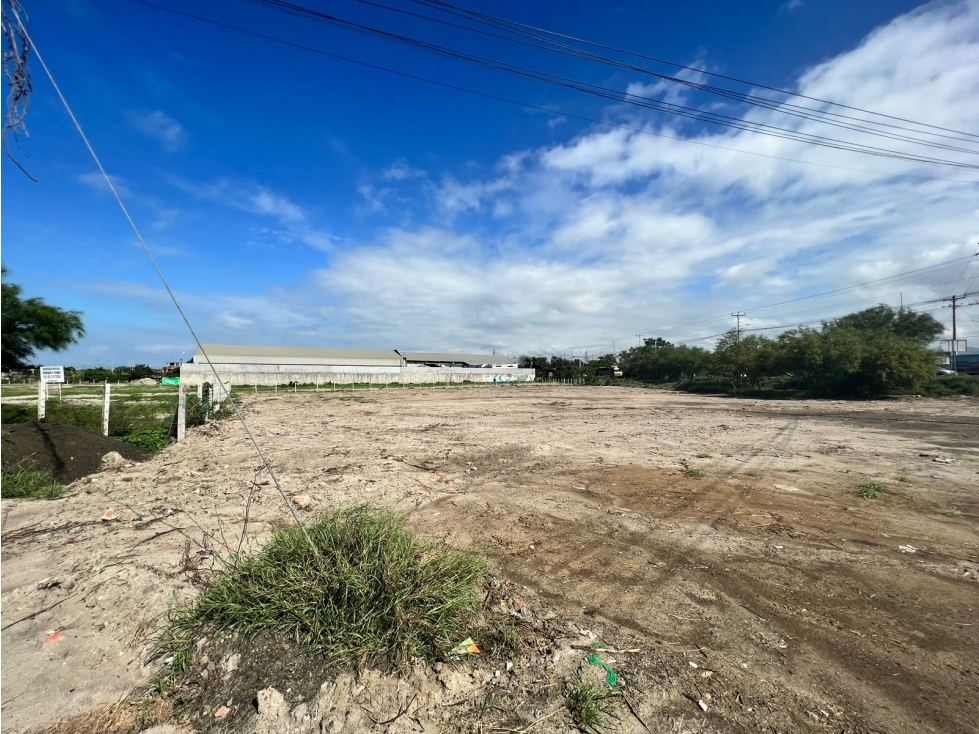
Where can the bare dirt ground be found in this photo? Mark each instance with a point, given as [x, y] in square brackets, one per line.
[767, 589]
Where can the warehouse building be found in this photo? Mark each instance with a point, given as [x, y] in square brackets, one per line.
[238, 364]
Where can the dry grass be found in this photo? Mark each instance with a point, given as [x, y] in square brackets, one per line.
[113, 718]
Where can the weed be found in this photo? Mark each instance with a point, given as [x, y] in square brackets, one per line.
[902, 477]
[694, 473]
[113, 717]
[504, 640]
[29, 480]
[151, 439]
[590, 705]
[374, 593]
[869, 490]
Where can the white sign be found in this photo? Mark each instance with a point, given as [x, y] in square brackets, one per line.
[52, 374]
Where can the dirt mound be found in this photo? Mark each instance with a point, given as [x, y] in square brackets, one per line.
[67, 452]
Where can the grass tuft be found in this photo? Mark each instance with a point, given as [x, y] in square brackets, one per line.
[591, 706]
[377, 594]
[703, 456]
[694, 473]
[903, 477]
[28, 480]
[869, 490]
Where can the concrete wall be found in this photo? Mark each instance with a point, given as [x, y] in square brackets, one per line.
[269, 374]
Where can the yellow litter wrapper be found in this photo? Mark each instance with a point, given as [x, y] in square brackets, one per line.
[466, 647]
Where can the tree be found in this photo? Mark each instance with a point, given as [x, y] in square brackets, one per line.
[921, 328]
[823, 360]
[745, 359]
[31, 324]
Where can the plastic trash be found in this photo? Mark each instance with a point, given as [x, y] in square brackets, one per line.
[466, 647]
[611, 678]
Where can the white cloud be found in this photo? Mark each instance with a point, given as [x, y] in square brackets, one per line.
[96, 180]
[399, 170]
[161, 126]
[615, 232]
[618, 231]
[790, 5]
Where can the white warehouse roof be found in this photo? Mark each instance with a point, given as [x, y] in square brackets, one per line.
[251, 354]
[474, 360]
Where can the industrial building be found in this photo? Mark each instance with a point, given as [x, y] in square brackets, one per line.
[238, 364]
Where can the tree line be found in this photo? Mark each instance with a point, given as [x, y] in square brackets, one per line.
[875, 352]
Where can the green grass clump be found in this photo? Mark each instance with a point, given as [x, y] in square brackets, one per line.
[703, 456]
[375, 594]
[694, 473]
[151, 439]
[591, 706]
[869, 490]
[29, 480]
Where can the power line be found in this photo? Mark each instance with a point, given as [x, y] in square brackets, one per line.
[529, 106]
[890, 278]
[808, 113]
[514, 25]
[616, 95]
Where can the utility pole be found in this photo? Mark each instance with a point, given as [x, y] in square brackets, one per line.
[954, 334]
[954, 300]
[640, 339]
[738, 316]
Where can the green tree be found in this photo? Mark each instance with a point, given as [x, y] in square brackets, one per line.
[823, 361]
[890, 364]
[746, 359]
[921, 328]
[31, 324]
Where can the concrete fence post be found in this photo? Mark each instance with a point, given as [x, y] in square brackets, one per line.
[181, 412]
[106, 401]
[42, 400]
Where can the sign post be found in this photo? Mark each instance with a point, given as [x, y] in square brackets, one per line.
[52, 374]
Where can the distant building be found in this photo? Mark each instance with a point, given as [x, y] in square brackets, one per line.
[241, 364]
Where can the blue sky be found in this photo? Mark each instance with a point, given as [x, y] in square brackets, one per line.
[292, 198]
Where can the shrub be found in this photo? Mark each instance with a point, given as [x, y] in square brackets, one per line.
[869, 490]
[29, 480]
[374, 593]
[589, 704]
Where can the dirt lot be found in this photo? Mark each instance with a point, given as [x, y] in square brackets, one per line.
[767, 589]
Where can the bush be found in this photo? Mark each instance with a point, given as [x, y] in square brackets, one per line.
[28, 480]
[375, 594]
[869, 490]
[951, 385]
[590, 705]
[151, 439]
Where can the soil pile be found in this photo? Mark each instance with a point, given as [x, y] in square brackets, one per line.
[67, 452]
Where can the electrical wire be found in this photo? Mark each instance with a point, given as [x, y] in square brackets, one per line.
[808, 113]
[891, 278]
[108, 180]
[529, 106]
[616, 95]
[520, 27]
